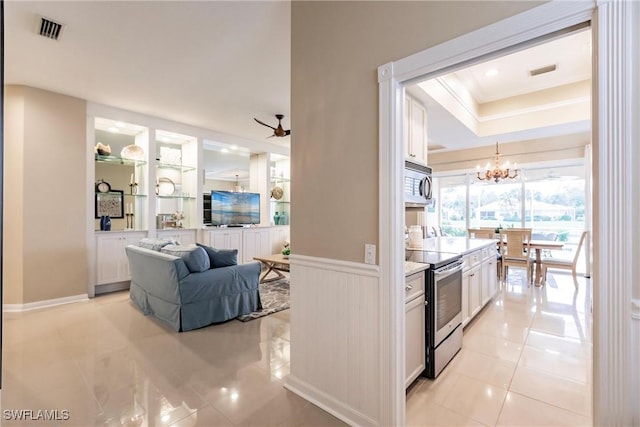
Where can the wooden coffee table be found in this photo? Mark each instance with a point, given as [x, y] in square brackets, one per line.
[275, 263]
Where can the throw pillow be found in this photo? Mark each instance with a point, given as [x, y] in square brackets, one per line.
[221, 257]
[194, 257]
[154, 244]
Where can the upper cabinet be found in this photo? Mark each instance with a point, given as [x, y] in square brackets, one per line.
[415, 130]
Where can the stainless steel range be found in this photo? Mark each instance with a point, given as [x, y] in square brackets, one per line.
[443, 307]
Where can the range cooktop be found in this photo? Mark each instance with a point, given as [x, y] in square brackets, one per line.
[434, 259]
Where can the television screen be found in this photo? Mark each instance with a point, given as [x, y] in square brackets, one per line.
[230, 208]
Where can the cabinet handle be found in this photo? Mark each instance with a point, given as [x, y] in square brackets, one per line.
[408, 288]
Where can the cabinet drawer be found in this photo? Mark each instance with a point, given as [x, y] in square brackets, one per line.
[414, 286]
[473, 259]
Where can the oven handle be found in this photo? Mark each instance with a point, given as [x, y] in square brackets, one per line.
[448, 272]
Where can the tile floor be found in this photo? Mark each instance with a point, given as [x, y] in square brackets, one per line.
[525, 361]
[108, 365]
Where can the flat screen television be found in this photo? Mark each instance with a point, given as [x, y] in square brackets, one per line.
[231, 208]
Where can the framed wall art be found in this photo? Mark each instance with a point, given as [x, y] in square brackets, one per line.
[110, 203]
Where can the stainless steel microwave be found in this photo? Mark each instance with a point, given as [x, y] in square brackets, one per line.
[418, 189]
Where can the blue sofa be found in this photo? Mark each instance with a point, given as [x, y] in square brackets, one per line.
[188, 287]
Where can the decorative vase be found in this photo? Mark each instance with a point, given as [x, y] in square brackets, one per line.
[284, 218]
[105, 223]
[276, 219]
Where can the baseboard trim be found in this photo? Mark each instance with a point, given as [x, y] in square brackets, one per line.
[327, 403]
[336, 265]
[11, 308]
[112, 287]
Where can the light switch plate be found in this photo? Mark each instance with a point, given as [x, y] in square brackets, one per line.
[369, 253]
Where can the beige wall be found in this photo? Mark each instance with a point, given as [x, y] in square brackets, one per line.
[45, 247]
[531, 151]
[336, 48]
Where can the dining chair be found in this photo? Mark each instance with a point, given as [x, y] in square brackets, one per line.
[516, 251]
[481, 233]
[567, 264]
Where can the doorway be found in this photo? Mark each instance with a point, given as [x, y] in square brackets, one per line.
[613, 391]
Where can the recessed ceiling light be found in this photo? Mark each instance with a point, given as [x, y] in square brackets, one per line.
[119, 124]
[491, 73]
[113, 129]
[234, 147]
[224, 150]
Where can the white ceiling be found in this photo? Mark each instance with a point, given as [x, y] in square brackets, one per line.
[216, 65]
[571, 55]
[210, 64]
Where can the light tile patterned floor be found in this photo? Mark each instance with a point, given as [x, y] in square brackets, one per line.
[525, 361]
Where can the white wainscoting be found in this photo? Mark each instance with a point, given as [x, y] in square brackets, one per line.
[335, 348]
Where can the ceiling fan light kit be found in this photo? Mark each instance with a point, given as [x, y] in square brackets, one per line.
[277, 131]
[498, 173]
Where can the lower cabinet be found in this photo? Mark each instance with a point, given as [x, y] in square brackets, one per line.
[184, 237]
[279, 235]
[479, 282]
[489, 279]
[255, 242]
[475, 290]
[112, 265]
[415, 354]
[224, 239]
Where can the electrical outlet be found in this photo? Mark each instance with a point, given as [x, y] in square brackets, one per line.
[369, 253]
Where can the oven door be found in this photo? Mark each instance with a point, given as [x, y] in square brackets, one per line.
[447, 289]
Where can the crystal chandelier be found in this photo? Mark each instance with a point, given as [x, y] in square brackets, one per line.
[498, 173]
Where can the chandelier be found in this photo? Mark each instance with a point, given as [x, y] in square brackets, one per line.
[498, 173]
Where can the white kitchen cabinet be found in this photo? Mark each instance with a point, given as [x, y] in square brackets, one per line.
[465, 298]
[255, 242]
[414, 327]
[112, 265]
[224, 238]
[415, 131]
[475, 290]
[184, 237]
[279, 235]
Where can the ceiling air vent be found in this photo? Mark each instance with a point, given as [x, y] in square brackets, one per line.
[542, 70]
[49, 28]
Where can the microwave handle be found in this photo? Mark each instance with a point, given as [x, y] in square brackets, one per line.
[425, 187]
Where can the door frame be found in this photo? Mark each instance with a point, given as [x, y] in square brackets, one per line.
[616, 309]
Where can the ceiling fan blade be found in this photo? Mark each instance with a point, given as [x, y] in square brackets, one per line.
[287, 132]
[271, 136]
[264, 124]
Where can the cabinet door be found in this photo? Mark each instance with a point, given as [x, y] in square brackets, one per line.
[418, 140]
[234, 241]
[256, 243]
[218, 240]
[112, 265]
[107, 259]
[414, 339]
[278, 236]
[493, 276]
[475, 289]
[487, 265]
[465, 297]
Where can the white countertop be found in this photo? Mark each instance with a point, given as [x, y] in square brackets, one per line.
[411, 267]
[456, 245]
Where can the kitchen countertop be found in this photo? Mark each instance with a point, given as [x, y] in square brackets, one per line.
[411, 267]
[458, 245]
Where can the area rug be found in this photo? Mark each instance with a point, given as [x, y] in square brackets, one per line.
[274, 296]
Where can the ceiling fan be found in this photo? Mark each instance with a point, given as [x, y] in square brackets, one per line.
[279, 131]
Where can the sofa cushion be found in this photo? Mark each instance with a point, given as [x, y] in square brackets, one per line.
[221, 257]
[154, 244]
[193, 256]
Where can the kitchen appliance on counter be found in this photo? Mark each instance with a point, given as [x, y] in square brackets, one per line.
[417, 185]
[443, 314]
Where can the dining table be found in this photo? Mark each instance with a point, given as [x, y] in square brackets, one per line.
[539, 245]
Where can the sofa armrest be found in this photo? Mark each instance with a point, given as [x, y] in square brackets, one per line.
[156, 272]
